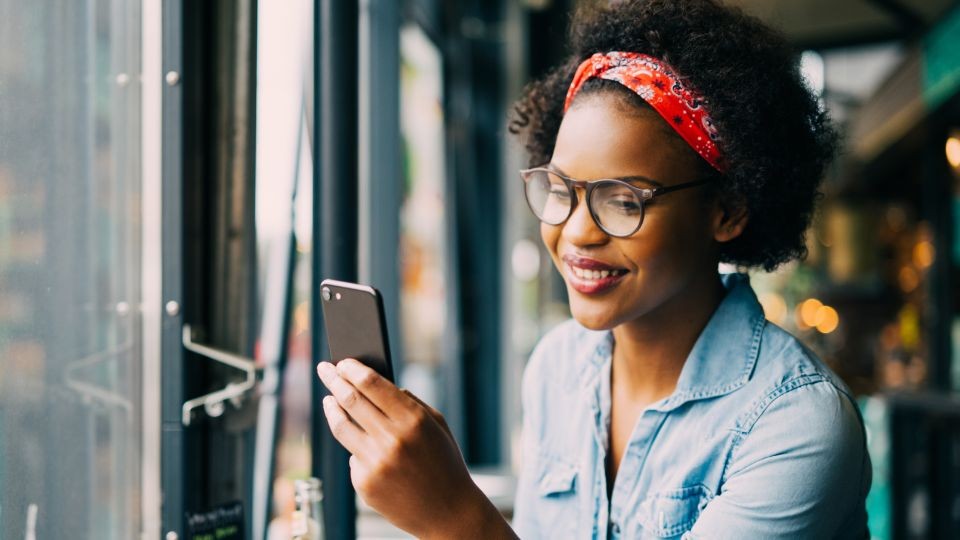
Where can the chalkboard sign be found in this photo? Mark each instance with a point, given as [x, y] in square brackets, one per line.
[224, 522]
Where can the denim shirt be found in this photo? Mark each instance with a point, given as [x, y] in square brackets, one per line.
[758, 440]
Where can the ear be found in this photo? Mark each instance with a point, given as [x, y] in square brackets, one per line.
[729, 221]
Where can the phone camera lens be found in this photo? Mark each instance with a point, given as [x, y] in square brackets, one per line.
[325, 292]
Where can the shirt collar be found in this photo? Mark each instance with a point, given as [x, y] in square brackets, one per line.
[723, 357]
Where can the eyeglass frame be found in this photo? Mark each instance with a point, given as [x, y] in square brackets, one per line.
[588, 186]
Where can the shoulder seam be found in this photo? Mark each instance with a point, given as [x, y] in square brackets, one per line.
[742, 429]
[745, 425]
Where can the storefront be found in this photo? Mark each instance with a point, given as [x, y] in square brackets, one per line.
[175, 180]
[177, 177]
[877, 297]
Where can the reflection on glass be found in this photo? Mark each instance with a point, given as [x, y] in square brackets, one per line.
[283, 189]
[70, 363]
[422, 215]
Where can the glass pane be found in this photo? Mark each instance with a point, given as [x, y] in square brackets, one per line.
[284, 182]
[423, 293]
[69, 269]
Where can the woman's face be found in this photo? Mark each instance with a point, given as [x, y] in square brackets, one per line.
[601, 138]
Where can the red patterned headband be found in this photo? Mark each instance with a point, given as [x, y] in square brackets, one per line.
[657, 83]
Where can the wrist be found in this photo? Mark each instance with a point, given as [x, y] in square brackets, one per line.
[475, 516]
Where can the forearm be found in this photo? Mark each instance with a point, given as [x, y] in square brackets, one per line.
[477, 518]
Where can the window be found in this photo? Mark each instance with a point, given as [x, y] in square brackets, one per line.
[70, 286]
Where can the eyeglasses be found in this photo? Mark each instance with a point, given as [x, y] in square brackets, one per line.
[615, 205]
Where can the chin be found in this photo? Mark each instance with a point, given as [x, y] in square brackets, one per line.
[593, 315]
[594, 324]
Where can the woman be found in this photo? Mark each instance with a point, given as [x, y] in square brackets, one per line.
[679, 135]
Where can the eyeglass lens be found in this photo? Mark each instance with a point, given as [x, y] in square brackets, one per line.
[615, 206]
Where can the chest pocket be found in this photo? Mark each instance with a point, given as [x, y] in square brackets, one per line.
[669, 514]
[557, 511]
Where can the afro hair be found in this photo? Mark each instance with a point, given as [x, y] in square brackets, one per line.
[776, 136]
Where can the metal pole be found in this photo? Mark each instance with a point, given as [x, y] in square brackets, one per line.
[334, 229]
[171, 350]
[379, 161]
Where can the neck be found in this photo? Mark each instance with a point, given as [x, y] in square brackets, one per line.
[650, 351]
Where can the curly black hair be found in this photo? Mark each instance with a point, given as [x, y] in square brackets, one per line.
[776, 137]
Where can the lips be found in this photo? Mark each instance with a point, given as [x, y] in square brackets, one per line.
[590, 276]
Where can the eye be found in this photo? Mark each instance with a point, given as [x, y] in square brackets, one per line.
[623, 205]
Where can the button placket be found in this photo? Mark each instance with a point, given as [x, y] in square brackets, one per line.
[638, 448]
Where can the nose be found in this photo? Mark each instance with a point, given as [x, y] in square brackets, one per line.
[580, 229]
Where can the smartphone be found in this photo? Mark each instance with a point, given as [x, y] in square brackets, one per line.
[355, 324]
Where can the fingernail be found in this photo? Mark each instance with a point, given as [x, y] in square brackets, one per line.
[325, 369]
[346, 363]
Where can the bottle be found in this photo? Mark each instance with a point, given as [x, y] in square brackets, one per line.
[308, 516]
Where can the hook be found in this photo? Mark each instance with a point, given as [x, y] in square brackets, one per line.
[213, 403]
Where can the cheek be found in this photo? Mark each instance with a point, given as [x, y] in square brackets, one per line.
[668, 238]
[550, 235]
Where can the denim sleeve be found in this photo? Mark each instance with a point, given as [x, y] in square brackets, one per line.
[530, 395]
[799, 470]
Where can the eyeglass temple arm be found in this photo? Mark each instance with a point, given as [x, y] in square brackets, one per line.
[668, 189]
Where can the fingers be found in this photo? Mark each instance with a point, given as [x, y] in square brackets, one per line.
[382, 393]
[433, 412]
[344, 430]
[369, 417]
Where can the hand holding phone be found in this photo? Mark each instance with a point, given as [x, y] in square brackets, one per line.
[355, 324]
[404, 462]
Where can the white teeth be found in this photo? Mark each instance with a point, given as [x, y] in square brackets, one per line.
[593, 274]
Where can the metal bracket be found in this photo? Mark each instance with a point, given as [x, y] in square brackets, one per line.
[213, 403]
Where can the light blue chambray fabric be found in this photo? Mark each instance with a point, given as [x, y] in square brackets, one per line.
[759, 440]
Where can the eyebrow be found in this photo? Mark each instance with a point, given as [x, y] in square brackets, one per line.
[631, 179]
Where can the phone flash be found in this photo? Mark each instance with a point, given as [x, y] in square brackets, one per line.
[338, 296]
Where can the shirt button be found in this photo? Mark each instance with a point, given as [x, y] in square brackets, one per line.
[615, 528]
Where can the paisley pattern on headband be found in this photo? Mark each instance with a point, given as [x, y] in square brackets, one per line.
[657, 83]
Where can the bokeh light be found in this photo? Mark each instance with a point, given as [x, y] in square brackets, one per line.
[953, 152]
[809, 310]
[827, 319]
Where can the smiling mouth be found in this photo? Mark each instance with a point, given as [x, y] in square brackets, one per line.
[587, 276]
[594, 275]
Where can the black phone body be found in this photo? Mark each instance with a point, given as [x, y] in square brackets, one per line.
[356, 326]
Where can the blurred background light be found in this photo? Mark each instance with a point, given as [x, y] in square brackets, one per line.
[525, 260]
[953, 152]
[775, 307]
[827, 319]
[809, 312]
